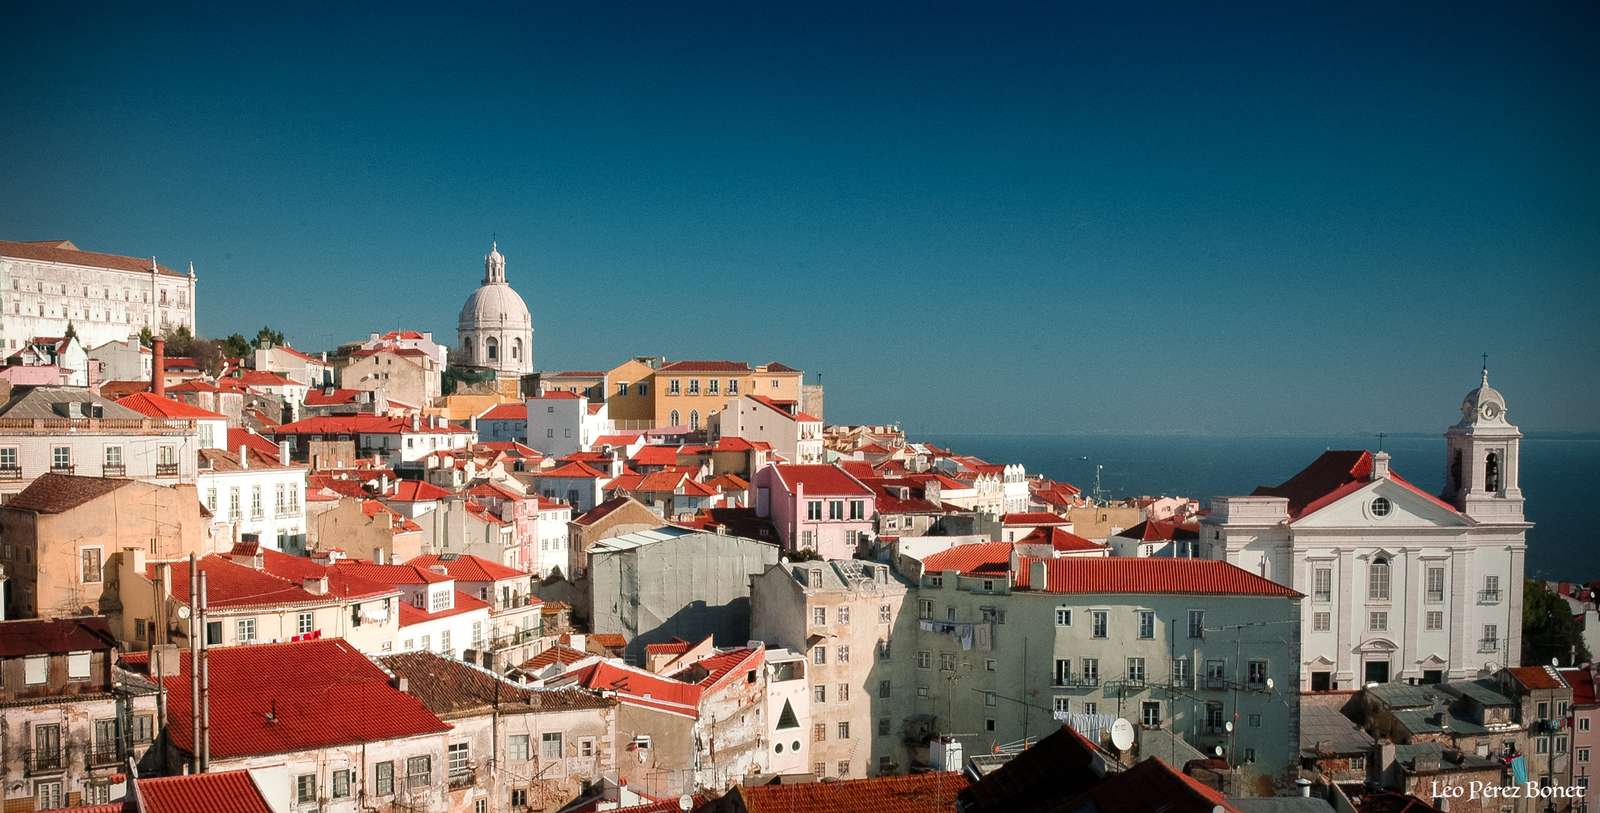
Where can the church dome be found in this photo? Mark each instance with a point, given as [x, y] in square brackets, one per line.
[1483, 404]
[494, 304]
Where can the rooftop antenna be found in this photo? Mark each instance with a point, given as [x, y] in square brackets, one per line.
[1098, 492]
[1381, 436]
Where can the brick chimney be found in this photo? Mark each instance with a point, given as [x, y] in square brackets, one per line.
[158, 367]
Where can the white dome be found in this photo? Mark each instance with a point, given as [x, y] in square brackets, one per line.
[493, 306]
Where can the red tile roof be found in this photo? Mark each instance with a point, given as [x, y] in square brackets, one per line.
[556, 654]
[560, 394]
[705, 367]
[225, 792]
[576, 470]
[506, 412]
[637, 687]
[655, 455]
[392, 575]
[1060, 539]
[51, 493]
[1333, 475]
[676, 646]
[821, 480]
[779, 367]
[1035, 518]
[718, 670]
[318, 396]
[1152, 530]
[244, 437]
[416, 491]
[1036, 777]
[156, 406]
[600, 511]
[979, 558]
[361, 424]
[1583, 688]
[464, 567]
[1537, 677]
[464, 603]
[1149, 575]
[914, 793]
[282, 698]
[264, 378]
[39, 636]
[63, 251]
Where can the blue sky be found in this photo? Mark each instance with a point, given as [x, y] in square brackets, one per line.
[986, 218]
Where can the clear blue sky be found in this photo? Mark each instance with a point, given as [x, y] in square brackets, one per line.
[968, 217]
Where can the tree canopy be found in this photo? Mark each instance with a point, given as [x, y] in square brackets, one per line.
[1549, 630]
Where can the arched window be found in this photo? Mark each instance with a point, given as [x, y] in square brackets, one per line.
[516, 349]
[1455, 472]
[491, 349]
[673, 418]
[694, 420]
[1378, 580]
[1491, 472]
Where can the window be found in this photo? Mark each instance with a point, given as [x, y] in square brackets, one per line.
[47, 795]
[694, 420]
[858, 509]
[1063, 616]
[517, 747]
[302, 623]
[8, 457]
[924, 659]
[1381, 507]
[34, 669]
[114, 453]
[255, 502]
[1182, 673]
[459, 758]
[1378, 621]
[991, 699]
[1435, 620]
[835, 509]
[712, 386]
[1435, 583]
[819, 732]
[947, 661]
[843, 615]
[144, 727]
[884, 614]
[586, 747]
[1214, 720]
[936, 580]
[1321, 621]
[694, 386]
[1197, 623]
[1378, 580]
[1583, 723]
[1062, 705]
[819, 693]
[419, 771]
[90, 570]
[1150, 713]
[844, 730]
[673, 388]
[1147, 624]
[1256, 672]
[672, 419]
[924, 608]
[733, 386]
[1097, 623]
[885, 688]
[819, 616]
[383, 778]
[1216, 672]
[844, 653]
[61, 457]
[1491, 589]
[1583, 755]
[233, 503]
[989, 664]
[813, 509]
[551, 744]
[1491, 639]
[844, 764]
[883, 649]
[245, 629]
[1136, 670]
[1091, 671]
[341, 784]
[305, 788]
[819, 654]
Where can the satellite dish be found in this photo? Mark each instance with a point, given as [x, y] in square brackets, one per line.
[685, 802]
[1228, 726]
[1122, 734]
[183, 611]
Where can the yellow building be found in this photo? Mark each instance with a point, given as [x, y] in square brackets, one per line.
[645, 391]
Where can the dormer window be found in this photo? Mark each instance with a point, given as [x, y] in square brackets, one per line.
[440, 600]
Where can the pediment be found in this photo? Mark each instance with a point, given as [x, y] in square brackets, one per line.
[1407, 508]
[1377, 645]
[1433, 661]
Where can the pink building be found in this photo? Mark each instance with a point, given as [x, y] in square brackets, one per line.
[1584, 722]
[820, 507]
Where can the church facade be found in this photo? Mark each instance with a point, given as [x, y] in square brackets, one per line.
[1399, 584]
[495, 330]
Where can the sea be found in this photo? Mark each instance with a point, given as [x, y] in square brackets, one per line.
[1556, 473]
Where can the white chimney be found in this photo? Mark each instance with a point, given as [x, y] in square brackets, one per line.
[283, 452]
[244, 456]
[1380, 466]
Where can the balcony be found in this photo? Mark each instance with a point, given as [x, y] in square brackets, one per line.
[10, 472]
[1488, 596]
[462, 777]
[1488, 645]
[62, 468]
[1075, 681]
[1218, 682]
[37, 761]
[166, 469]
[113, 470]
[105, 754]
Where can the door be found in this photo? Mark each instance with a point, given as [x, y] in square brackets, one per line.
[1321, 681]
[1377, 672]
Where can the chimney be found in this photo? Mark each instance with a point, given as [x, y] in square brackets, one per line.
[1038, 574]
[158, 367]
[283, 452]
[416, 422]
[317, 586]
[401, 684]
[244, 456]
[1380, 466]
[1304, 785]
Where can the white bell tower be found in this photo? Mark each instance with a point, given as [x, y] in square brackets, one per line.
[1482, 453]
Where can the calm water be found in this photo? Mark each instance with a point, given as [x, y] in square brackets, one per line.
[1556, 474]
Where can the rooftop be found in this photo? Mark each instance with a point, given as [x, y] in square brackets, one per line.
[1139, 575]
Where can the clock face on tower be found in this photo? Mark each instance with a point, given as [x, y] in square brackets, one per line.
[1490, 411]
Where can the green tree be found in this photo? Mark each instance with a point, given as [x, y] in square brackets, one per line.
[266, 335]
[1549, 629]
[72, 332]
[147, 338]
[235, 346]
[180, 342]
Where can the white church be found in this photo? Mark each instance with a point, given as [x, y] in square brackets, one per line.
[495, 330]
[1400, 585]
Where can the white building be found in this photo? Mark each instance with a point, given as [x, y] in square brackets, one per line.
[122, 360]
[105, 297]
[794, 435]
[495, 329]
[560, 423]
[250, 493]
[68, 430]
[1400, 584]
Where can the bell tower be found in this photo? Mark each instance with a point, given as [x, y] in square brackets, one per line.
[1482, 453]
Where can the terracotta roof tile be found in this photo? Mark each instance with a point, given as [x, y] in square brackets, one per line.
[914, 793]
[466, 567]
[821, 480]
[1149, 575]
[39, 636]
[225, 792]
[63, 251]
[51, 493]
[447, 686]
